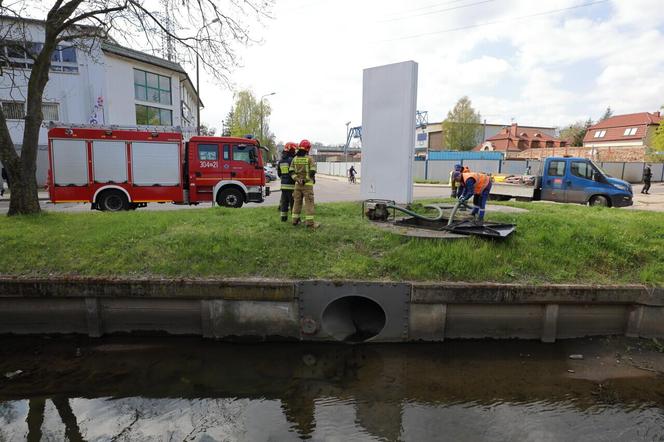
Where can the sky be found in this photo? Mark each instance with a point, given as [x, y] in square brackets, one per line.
[547, 62]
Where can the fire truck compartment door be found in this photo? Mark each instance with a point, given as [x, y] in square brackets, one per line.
[70, 162]
[155, 163]
[109, 159]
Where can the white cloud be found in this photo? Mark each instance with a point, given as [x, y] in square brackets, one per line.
[314, 54]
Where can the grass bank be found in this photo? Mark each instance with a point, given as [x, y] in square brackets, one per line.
[553, 244]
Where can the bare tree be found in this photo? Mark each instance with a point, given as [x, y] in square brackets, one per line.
[206, 29]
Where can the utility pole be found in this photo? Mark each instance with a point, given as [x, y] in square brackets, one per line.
[198, 81]
[347, 142]
[198, 98]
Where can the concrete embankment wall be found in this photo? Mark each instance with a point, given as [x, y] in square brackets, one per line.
[328, 310]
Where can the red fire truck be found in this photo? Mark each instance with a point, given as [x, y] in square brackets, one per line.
[121, 169]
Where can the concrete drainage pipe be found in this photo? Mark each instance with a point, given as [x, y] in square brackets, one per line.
[353, 319]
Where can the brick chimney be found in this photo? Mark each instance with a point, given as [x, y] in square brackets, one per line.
[513, 130]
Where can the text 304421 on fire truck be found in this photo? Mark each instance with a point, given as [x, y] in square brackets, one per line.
[126, 169]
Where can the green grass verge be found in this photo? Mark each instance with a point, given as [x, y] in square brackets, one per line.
[553, 244]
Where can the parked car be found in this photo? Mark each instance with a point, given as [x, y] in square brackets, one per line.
[270, 173]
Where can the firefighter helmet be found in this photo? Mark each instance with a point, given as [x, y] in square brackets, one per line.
[290, 146]
[305, 145]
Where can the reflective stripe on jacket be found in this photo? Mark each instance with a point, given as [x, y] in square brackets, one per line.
[283, 170]
[481, 181]
[301, 168]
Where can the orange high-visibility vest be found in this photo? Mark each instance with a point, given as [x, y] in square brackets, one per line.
[481, 181]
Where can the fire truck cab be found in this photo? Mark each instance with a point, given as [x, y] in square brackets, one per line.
[119, 169]
[228, 171]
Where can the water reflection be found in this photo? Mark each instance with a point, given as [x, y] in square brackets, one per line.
[195, 390]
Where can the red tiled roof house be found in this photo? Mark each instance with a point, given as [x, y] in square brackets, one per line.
[515, 141]
[622, 137]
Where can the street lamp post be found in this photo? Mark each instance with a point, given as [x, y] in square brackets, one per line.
[198, 80]
[346, 144]
[262, 98]
[198, 98]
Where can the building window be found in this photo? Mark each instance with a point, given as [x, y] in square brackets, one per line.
[13, 110]
[599, 134]
[152, 87]
[62, 60]
[630, 131]
[187, 116]
[153, 116]
[50, 112]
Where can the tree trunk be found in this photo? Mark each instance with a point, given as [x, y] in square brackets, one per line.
[21, 171]
[23, 187]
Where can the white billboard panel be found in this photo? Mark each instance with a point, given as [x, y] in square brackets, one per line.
[389, 104]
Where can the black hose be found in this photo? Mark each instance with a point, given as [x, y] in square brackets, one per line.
[417, 215]
[456, 207]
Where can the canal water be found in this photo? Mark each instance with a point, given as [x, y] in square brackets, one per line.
[189, 389]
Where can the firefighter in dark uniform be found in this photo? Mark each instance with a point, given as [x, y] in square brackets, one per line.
[287, 182]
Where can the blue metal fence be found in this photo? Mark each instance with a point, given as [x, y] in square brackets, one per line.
[448, 155]
[440, 169]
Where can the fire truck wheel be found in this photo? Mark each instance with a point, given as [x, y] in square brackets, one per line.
[230, 198]
[113, 201]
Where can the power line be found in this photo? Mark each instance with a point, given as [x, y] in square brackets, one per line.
[437, 12]
[437, 5]
[478, 25]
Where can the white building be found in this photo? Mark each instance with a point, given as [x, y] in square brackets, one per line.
[106, 85]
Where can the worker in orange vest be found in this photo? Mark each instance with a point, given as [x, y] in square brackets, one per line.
[478, 186]
[457, 189]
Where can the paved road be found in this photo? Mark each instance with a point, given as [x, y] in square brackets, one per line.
[327, 190]
[332, 189]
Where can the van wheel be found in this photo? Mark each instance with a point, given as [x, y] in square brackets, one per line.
[599, 201]
[113, 201]
[230, 198]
